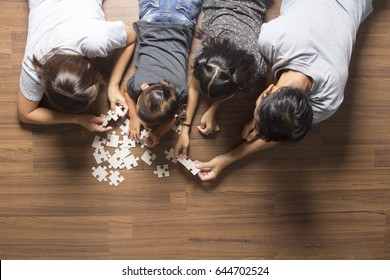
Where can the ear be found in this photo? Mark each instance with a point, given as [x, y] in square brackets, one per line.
[269, 89]
[144, 86]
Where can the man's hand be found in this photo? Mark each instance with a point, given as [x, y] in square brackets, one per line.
[210, 170]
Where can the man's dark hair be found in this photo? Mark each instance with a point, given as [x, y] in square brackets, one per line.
[284, 116]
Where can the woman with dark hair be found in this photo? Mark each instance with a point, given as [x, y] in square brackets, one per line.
[63, 37]
[228, 61]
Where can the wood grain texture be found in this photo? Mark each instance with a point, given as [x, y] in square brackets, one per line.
[327, 197]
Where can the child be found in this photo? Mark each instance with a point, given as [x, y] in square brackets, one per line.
[228, 61]
[63, 36]
[157, 92]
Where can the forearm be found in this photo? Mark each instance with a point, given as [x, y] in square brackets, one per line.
[44, 116]
[192, 103]
[245, 149]
[120, 66]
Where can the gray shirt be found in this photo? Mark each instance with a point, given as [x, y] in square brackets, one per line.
[315, 37]
[161, 54]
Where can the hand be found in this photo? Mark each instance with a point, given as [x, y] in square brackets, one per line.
[208, 123]
[116, 97]
[135, 126]
[152, 140]
[181, 146]
[249, 132]
[92, 123]
[210, 170]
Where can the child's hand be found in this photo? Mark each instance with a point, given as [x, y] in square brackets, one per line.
[92, 123]
[152, 140]
[135, 126]
[116, 97]
[181, 146]
[249, 133]
[208, 123]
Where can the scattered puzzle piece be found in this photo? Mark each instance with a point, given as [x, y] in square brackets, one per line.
[115, 178]
[115, 161]
[101, 155]
[99, 142]
[125, 127]
[112, 140]
[170, 155]
[130, 162]
[122, 152]
[148, 157]
[177, 129]
[100, 173]
[162, 171]
[127, 142]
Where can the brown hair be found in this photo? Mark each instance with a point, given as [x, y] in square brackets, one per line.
[158, 104]
[71, 82]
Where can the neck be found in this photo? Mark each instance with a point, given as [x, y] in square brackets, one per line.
[294, 79]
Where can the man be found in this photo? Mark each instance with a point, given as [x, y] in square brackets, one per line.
[309, 47]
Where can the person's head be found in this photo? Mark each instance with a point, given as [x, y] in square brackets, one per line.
[71, 82]
[157, 104]
[283, 115]
[222, 69]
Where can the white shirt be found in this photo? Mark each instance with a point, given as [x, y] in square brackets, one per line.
[71, 26]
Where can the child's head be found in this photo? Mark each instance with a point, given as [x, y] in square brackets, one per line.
[157, 104]
[222, 69]
[71, 83]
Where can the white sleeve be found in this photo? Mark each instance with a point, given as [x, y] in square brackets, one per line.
[30, 86]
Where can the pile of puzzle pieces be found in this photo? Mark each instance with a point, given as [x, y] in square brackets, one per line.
[122, 157]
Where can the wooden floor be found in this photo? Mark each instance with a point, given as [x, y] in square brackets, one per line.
[327, 197]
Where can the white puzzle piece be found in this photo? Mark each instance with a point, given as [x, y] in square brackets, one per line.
[112, 140]
[130, 162]
[99, 142]
[101, 155]
[162, 171]
[170, 155]
[148, 157]
[100, 173]
[115, 178]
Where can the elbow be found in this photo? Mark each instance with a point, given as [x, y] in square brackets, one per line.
[23, 117]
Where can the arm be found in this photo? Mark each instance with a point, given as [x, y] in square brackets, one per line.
[210, 170]
[155, 135]
[192, 102]
[208, 124]
[135, 122]
[30, 112]
[114, 93]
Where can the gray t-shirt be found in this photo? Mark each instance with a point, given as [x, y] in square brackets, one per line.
[238, 21]
[161, 54]
[315, 37]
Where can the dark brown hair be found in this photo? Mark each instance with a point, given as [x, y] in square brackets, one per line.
[71, 82]
[158, 104]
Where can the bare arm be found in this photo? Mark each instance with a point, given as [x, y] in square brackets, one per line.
[210, 170]
[30, 112]
[135, 122]
[183, 142]
[114, 93]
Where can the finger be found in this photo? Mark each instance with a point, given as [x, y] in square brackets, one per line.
[202, 166]
[113, 106]
[217, 128]
[203, 130]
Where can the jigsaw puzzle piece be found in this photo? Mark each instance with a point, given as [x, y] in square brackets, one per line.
[112, 140]
[101, 155]
[115, 178]
[148, 157]
[130, 162]
[162, 171]
[99, 142]
[170, 155]
[100, 173]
